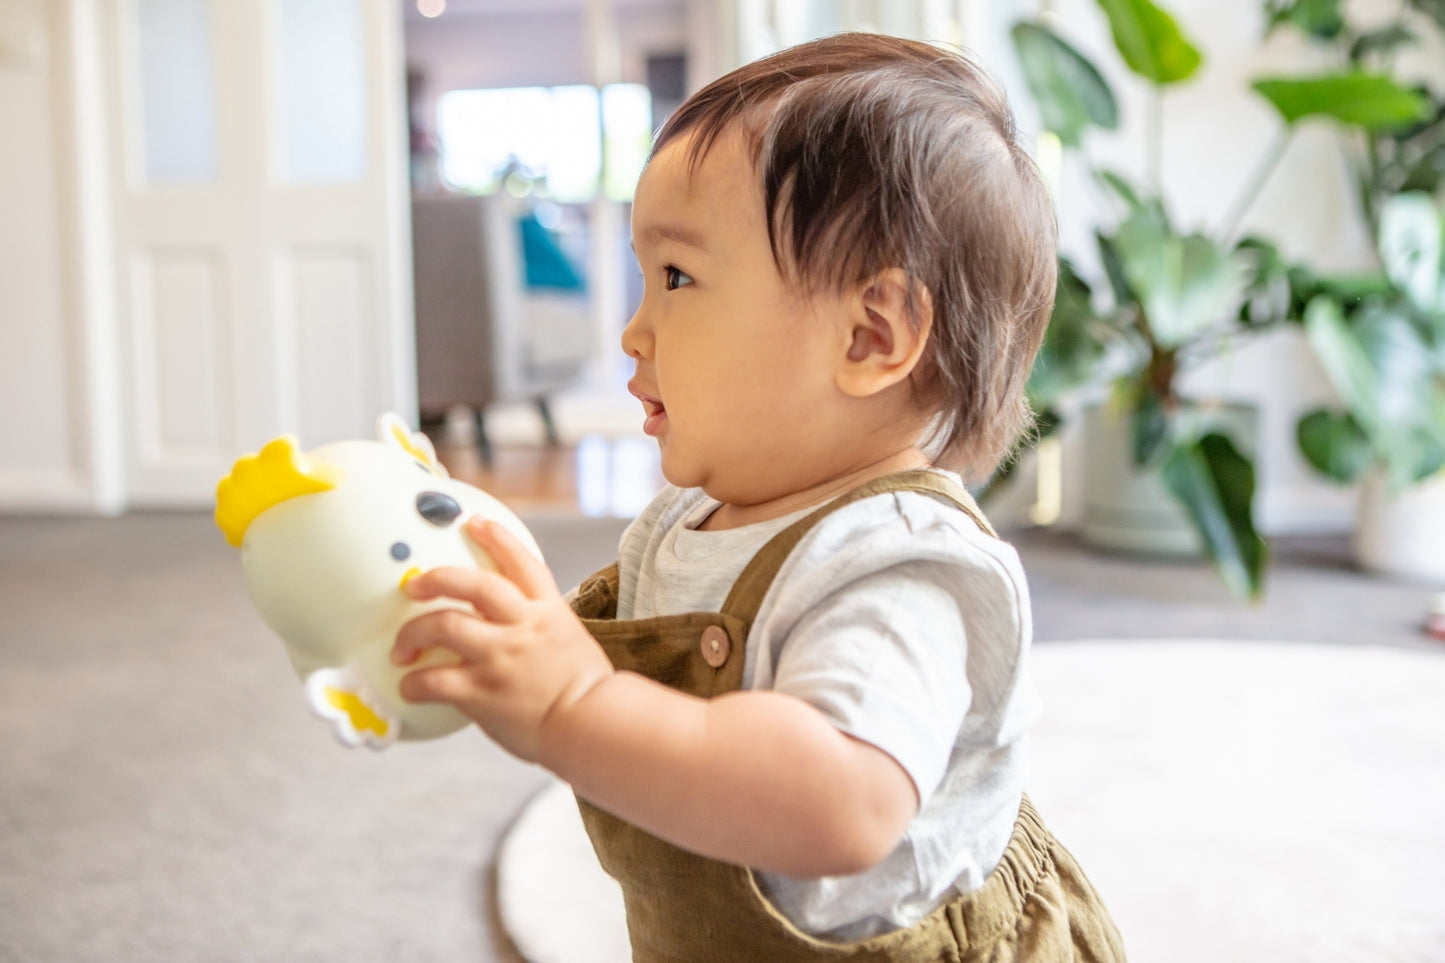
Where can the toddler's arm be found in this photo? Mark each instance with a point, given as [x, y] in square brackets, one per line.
[757, 778]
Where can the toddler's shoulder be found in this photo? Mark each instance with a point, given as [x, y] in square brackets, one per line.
[910, 529]
[918, 522]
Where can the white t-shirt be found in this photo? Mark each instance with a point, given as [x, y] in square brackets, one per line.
[908, 627]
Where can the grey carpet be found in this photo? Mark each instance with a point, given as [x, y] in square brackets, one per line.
[164, 794]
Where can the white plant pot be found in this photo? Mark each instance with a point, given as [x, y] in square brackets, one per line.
[1129, 510]
[1402, 534]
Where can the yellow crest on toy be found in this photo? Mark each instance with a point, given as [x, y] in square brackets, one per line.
[280, 471]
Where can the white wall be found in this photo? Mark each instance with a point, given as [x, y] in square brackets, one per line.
[55, 403]
[35, 381]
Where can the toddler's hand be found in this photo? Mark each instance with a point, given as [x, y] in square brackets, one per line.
[524, 654]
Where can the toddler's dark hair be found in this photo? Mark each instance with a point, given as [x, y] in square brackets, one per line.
[876, 152]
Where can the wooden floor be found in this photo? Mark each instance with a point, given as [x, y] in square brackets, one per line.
[597, 477]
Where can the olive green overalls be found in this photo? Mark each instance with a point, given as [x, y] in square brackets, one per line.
[682, 908]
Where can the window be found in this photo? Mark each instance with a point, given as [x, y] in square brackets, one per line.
[549, 141]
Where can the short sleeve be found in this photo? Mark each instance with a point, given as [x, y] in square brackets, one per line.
[885, 659]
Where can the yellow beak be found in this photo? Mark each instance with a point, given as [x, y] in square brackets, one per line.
[408, 575]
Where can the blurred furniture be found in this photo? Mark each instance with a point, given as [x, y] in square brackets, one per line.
[483, 334]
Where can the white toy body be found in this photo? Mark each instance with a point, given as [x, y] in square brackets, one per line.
[325, 569]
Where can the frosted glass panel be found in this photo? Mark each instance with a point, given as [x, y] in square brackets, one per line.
[320, 90]
[177, 91]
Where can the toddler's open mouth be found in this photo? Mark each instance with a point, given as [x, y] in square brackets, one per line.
[653, 409]
[656, 415]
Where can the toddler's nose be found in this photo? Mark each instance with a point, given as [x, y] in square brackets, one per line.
[633, 337]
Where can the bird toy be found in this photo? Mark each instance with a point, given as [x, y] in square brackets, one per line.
[328, 539]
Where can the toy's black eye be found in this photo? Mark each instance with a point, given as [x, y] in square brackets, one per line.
[401, 551]
[441, 510]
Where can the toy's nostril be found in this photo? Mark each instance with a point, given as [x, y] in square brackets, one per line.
[401, 551]
[441, 510]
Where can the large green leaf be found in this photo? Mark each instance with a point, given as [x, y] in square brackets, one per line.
[1416, 455]
[1411, 158]
[1345, 362]
[1434, 9]
[1401, 359]
[1114, 269]
[1268, 294]
[1121, 187]
[1422, 161]
[1380, 365]
[1385, 41]
[1215, 484]
[1350, 289]
[1046, 422]
[1151, 428]
[1149, 205]
[1184, 283]
[1150, 42]
[1071, 93]
[1412, 247]
[1320, 18]
[1334, 445]
[1069, 357]
[1371, 101]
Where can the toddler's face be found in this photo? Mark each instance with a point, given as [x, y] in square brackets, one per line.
[734, 363]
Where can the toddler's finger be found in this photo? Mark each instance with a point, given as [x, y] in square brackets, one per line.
[451, 629]
[512, 558]
[446, 684]
[492, 594]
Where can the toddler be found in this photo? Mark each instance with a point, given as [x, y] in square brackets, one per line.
[794, 712]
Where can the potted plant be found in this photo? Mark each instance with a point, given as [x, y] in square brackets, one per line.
[1163, 473]
[1381, 338]
[1166, 300]
[1382, 345]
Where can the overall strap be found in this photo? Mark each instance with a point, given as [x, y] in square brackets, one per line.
[747, 592]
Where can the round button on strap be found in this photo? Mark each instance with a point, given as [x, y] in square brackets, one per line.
[716, 646]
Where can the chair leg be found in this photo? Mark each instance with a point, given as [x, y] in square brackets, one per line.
[433, 425]
[544, 408]
[479, 430]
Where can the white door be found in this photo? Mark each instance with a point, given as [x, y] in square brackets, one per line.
[258, 160]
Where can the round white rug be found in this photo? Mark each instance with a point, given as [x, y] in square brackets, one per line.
[1230, 800]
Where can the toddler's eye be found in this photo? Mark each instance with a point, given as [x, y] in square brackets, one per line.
[676, 278]
[400, 551]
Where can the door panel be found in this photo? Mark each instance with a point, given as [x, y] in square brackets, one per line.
[181, 323]
[170, 43]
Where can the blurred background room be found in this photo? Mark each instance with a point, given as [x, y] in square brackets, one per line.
[228, 221]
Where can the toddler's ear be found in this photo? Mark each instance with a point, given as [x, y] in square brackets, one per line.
[886, 334]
